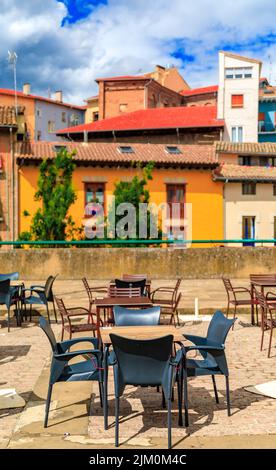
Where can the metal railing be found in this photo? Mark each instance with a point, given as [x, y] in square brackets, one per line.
[114, 242]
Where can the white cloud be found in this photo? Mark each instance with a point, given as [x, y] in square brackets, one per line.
[126, 36]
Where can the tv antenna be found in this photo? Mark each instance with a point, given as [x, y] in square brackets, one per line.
[12, 59]
[270, 68]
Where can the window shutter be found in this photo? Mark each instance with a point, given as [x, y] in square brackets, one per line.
[237, 101]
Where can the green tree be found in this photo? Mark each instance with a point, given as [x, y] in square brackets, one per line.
[56, 193]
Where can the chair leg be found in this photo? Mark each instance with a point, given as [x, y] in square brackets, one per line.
[169, 424]
[48, 402]
[163, 400]
[179, 396]
[101, 393]
[228, 395]
[55, 312]
[9, 319]
[270, 341]
[215, 389]
[62, 333]
[227, 310]
[48, 313]
[235, 314]
[262, 339]
[30, 312]
[185, 399]
[105, 391]
[117, 410]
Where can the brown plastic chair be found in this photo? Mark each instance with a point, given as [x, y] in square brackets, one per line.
[170, 304]
[93, 290]
[268, 322]
[232, 297]
[134, 277]
[68, 313]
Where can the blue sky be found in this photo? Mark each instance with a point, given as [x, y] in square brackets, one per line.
[68, 43]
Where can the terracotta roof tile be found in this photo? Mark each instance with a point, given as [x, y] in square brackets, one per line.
[250, 148]
[6, 91]
[155, 118]
[244, 173]
[200, 91]
[109, 153]
[7, 116]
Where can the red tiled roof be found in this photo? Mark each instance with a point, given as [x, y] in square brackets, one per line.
[200, 91]
[244, 173]
[6, 91]
[155, 118]
[247, 148]
[109, 153]
[7, 116]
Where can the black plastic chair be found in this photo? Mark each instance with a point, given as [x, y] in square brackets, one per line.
[145, 363]
[130, 317]
[9, 296]
[124, 284]
[213, 361]
[40, 295]
[62, 371]
[11, 276]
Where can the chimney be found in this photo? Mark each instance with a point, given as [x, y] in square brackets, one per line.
[27, 88]
[58, 96]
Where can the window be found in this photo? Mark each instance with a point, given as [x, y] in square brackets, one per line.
[95, 116]
[94, 193]
[245, 160]
[38, 135]
[39, 112]
[123, 107]
[238, 72]
[176, 194]
[125, 149]
[237, 134]
[237, 101]
[248, 229]
[58, 148]
[248, 189]
[51, 126]
[74, 119]
[173, 149]
[63, 116]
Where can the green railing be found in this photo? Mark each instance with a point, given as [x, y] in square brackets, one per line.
[97, 242]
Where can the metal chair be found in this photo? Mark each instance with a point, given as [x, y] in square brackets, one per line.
[232, 298]
[169, 305]
[40, 295]
[213, 361]
[268, 322]
[145, 363]
[93, 290]
[114, 291]
[129, 317]
[9, 296]
[68, 313]
[129, 284]
[63, 371]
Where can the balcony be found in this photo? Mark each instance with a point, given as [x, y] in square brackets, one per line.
[266, 128]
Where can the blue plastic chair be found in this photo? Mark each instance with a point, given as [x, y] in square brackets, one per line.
[11, 276]
[212, 350]
[130, 317]
[40, 295]
[9, 296]
[145, 363]
[63, 371]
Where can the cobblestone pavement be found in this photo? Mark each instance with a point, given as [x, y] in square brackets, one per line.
[24, 352]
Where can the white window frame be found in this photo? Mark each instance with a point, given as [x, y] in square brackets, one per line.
[240, 71]
[238, 130]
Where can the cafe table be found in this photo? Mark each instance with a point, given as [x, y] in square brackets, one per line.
[262, 283]
[144, 332]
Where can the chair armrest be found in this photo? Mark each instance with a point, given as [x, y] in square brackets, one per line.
[77, 308]
[65, 345]
[205, 348]
[70, 355]
[241, 289]
[169, 290]
[174, 361]
[196, 339]
[37, 287]
[112, 360]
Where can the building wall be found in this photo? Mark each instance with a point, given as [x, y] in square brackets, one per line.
[262, 206]
[29, 114]
[6, 197]
[269, 122]
[92, 107]
[204, 197]
[207, 99]
[170, 78]
[46, 112]
[246, 117]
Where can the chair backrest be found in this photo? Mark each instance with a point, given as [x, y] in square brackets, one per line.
[219, 328]
[123, 284]
[49, 287]
[142, 362]
[126, 292]
[61, 308]
[262, 277]
[11, 276]
[5, 292]
[88, 289]
[134, 277]
[227, 284]
[44, 324]
[176, 289]
[129, 317]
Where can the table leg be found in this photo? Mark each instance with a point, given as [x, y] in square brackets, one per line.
[252, 304]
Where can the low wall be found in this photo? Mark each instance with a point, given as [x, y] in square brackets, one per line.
[158, 263]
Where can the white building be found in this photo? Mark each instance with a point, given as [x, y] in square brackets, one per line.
[238, 97]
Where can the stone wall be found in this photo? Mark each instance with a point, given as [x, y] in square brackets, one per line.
[158, 263]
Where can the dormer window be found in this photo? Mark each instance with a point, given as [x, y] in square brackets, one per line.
[58, 148]
[172, 149]
[125, 149]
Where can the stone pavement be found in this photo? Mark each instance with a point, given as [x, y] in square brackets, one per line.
[24, 365]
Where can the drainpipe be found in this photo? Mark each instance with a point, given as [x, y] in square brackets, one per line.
[12, 185]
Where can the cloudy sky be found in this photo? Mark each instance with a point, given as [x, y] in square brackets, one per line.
[66, 44]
